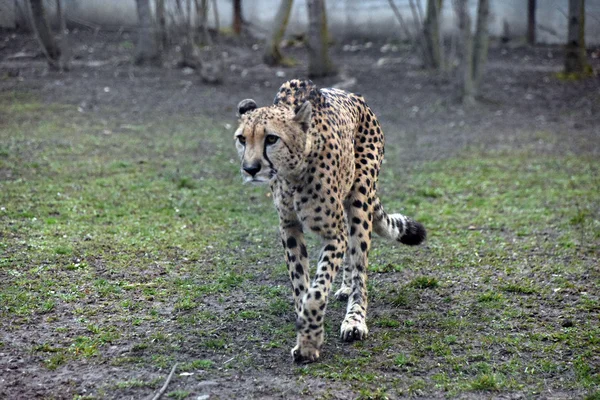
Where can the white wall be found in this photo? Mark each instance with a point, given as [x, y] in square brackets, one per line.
[355, 18]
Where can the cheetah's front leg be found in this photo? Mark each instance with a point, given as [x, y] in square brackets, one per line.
[296, 258]
[309, 324]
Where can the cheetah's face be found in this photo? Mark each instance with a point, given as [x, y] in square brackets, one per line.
[271, 141]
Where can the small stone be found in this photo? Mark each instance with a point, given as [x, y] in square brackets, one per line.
[207, 383]
[187, 71]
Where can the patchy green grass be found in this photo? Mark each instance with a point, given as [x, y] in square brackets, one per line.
[425, 282]
[133, 245]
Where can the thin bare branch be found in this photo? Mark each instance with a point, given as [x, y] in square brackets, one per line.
[420, 11]
[400, 19]
[415, 14]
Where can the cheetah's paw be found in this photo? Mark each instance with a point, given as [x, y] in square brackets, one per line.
[305, 354]
[353, 330]
[343, 293]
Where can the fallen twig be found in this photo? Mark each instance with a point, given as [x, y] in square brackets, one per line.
[164, 387]
[228, 361]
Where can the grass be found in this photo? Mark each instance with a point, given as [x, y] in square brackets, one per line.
[163, 254]
[425, 282]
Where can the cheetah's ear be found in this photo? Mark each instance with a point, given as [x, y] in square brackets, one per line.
[303, 115]
[245, 106]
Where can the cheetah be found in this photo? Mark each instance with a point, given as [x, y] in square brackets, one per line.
[320, 150]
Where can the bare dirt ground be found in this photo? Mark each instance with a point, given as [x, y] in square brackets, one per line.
[520, 91]
[522, 102]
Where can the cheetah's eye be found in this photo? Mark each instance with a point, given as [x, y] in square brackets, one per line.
[271, 139]
[242, 140]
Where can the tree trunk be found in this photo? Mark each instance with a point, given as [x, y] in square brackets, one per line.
[189, 51]
[161, 18]
[8, 16]
[147, 49]
[237, 17]
[272, 55]
[39, 25]
[531, 6]
[202, 13]
[431, 33]
[216, 16]
[576, 57]
[480, 42]
[60, 15]
[63, 37]
[319, 63]
[465, 87]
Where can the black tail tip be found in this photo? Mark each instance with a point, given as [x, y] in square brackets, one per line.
[415, 234]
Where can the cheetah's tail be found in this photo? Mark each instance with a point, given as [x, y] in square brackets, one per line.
[397, 226]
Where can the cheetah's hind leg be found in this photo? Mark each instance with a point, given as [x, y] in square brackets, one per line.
[345, 289]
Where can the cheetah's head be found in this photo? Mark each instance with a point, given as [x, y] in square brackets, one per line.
[272, 141]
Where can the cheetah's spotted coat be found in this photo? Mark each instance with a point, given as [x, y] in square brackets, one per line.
[321, 151]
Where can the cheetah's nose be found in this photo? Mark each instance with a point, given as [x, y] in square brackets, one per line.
[251, 169]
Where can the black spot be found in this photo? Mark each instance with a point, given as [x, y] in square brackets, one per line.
[363, 246]
[317, 295]
[299, 269]
[303, 251]
[291, 242]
